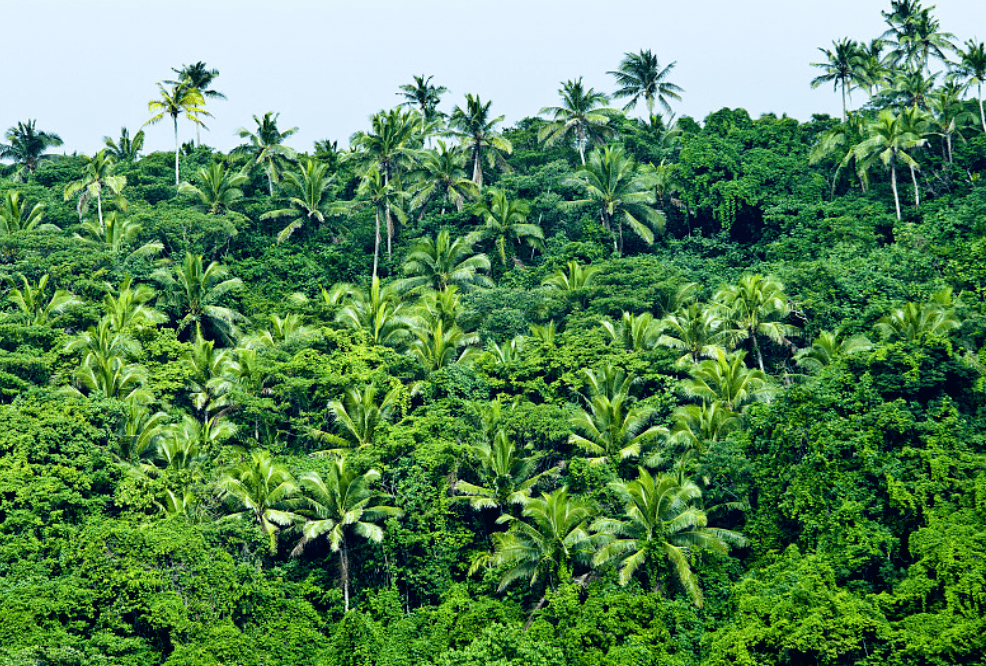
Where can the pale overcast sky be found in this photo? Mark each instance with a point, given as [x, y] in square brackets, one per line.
[84, 68]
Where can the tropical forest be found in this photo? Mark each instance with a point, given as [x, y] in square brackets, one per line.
[609, 386]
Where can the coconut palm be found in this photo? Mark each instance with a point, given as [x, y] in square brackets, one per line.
[140, 432]
[34, 302]
[726, 380]
[440, 262]
[830, 346]
[127, 307]
[754, 306]
[696, 330]
[506, 476]
[634, 332]
[377, 309]
[640, 76]
[181, 99]
[582, 117]
[577, 277]
[199, 77]
[118, 233]
[424, 95]
[266, 147]
[477, 131]
[307, 194]
[545, 543]
[106, 367]
[505, 223]
[936, 316]
[442, 173]
[388, 201]
[358, 416]
[26, 146]
[972, 68]
[622, 193]
[15, 215]
[948, 115]
[210, 375]
[338, 505]
[889, 138]
[218, 190]
[664, 525]
[841, 67]
[392, 145]
[696, 425]
[438, 344]
[197, 290]
[97, 177]
[125, 149]
[264, 491]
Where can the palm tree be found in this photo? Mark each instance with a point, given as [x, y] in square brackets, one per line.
[477, 132]
[377, 309]
[889, 139]
[210, 375]
[755, 306]
[16, 216]
[506, 476]
[695, 425]
[424, 95]
[219, 190]
[726, 380]
[391, 146]
[181, 99]
[972, 68]
[34, 302]
[634, 332]
[830, 346]
[581, 116]
[387, 199]
[118, 233]
[263, 490]
[948, 115]
[197, 290]
[640, 75]
[935, 317]
[199, 77]
[924, 40]
[125, 149]
[841, 67]
[358, 415]
[438, 344]
[307, 191]
[343, 502]
[663, 524]
[441, 262]
[140, 432]
[611, 428]
[622, 193]
[26, 146]
[98, 176]
[578, 277]
[504, 219]
[442, 172]
[695, 330]
[106, 368]
[549, 538]
[266, 146]
[128, 309]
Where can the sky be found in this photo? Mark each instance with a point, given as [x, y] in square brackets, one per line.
[85, 68]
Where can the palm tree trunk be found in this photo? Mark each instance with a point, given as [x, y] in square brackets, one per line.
[914, 179]
[376, 246]
[270, 184]
[756, 348]
[893, 186]
[982, 115]
[344, 572]
[99, 208]
[844, 115]
[176, 149]
[477, 166]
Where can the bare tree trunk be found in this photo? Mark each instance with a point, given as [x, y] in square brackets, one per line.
[893, 185]
[914, 179]
[176, 150]
[344, 572]
[477, 166]
[99, 208]
[982, 115]
[376, 246]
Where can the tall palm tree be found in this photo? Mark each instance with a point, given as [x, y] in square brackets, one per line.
[307, 193]
[440, 262]
[477, 131]
[441, 172]
[663, 523]
[582, 116]
[16, 216]
[640, 76]
[263, 490]
[726, 380]
[622, 193]
[97, 176]
[378, 309]
[842, 64]
[888, 140]
[392, 145]
[424, 95]
[125, 149]
[948, 115]
[755, 306]
[545, 543]
[505, 222]
[218, 190]
[26, 146]
[343, 502]
[694, 329]
[972, 68]
[199, 76]
[198, 289]
[210, 373]
[266, 147]
[181, 99]
[506, 476]
[388, 200]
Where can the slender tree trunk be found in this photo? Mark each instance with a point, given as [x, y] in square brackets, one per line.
[99, 208]
[893, 186]
[756, 348]
[176, 150]
[390, 222]
[477, 166]
[845, 116]
[914, 179]
[982, 115]
[344, 572]
[270, 184]
[376, 246]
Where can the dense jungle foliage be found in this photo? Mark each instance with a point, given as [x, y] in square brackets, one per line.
[587, 390]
